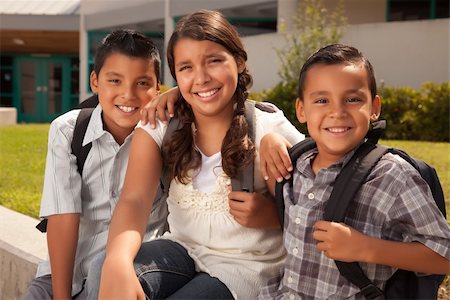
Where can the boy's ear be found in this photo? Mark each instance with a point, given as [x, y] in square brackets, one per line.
[93, 81]
[376, 108]
[300, 110]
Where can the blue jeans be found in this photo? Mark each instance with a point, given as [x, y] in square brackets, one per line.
[166, 271]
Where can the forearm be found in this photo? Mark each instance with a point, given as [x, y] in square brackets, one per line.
[62, 239]
[127, 228]
[131, 214]
[412, 256]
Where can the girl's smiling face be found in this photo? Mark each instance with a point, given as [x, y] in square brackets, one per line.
[207, 76]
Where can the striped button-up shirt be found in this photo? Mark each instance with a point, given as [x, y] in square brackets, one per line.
[395, 203]
[94, 195]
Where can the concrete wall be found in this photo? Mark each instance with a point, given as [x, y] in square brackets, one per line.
[403, 53]
[22, 247]
[8, 116]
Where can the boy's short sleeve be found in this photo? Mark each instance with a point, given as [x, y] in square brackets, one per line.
[414, 216]
[62, 182]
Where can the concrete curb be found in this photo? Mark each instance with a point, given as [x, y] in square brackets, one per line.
[22, 247]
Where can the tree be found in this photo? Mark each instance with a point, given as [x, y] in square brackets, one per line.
[313, 27]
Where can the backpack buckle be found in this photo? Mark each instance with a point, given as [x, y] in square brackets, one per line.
[372, 292]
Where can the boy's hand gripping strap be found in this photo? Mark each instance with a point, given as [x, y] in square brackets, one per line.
[347, 184]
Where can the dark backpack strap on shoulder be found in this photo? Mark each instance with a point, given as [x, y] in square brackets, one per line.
[78, 150]
[243, 181]
[174, 125]
[346, 186]
[89, 102]
[81, 152]
[294, 153]
[376, 131]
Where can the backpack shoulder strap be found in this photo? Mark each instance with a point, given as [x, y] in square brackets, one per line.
[174, 125]
[294, 153]
[244, 179]
[89, 102]
[347, 184]
[78, 150]
[81, 152]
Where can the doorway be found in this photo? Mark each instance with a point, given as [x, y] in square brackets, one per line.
[43, 88]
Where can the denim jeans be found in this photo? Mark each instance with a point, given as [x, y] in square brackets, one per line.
[165, 271]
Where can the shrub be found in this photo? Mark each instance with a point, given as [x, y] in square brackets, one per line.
[417, 115]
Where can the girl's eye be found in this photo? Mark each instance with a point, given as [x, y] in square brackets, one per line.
[183, 68]
[143, 83]
[215, 60]
[114, 81]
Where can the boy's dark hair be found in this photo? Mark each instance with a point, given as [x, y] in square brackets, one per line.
[337, 54]
[130, 43]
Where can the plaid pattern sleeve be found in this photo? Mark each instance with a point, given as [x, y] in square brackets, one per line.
[395, 203]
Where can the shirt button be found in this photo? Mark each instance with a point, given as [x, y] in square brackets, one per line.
[290, 280]
[295, 251]
[291, 296]
[311, 196]
[297, 221]
[113, 194]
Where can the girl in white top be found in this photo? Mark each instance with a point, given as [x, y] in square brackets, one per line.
[207, 59]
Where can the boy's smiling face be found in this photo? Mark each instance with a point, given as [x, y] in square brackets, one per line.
[125, 84]
[337, 108]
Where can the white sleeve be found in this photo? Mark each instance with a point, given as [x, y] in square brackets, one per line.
[275, 122]
[156, 133]
[62, 182]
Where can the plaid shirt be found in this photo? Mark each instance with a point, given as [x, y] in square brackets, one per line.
[395, 203]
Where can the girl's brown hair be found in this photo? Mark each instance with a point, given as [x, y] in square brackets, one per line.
[237, 149]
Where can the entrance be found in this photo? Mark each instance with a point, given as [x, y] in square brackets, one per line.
[43, 88]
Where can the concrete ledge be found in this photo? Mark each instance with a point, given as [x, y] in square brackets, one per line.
[22, 247]
[8, 116]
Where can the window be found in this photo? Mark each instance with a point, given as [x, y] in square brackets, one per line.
[6, 81]
[403, 10]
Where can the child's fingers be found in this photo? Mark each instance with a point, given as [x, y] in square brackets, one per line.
[263, 167]
[322, 225]
[144, 118]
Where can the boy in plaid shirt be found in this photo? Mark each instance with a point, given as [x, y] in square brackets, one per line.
[393, 222]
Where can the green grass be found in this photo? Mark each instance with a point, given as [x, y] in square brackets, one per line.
[23, 150]
[22, 162]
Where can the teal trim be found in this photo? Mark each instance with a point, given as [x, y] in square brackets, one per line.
[433, 6]
[388, 10]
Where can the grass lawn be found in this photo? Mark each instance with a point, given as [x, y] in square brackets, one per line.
[23, 150]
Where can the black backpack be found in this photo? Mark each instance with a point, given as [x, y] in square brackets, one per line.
[402, 284]
[242, 182]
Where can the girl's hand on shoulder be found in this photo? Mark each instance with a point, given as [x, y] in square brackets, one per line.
[274, 157]
[119, 281]
[158, 106]
[339, 241]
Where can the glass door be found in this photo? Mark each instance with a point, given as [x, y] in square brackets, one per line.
[43, 88]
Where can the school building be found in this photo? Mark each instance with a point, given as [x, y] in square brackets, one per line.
[47, 46]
